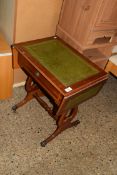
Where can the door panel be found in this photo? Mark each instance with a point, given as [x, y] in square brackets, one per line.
[107, 15]
[70, 14]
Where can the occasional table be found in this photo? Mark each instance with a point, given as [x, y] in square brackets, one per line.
[59, 72]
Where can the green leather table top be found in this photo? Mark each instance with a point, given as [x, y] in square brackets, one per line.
[67, 66]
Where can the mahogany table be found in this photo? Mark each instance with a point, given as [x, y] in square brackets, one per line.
[59, 72]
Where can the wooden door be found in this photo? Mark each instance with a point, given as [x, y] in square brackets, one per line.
[71, 13]
[107, 15]
[76, 21]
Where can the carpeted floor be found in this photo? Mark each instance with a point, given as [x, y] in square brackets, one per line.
[88, 149]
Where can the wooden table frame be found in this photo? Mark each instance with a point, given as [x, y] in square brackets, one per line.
[41, 82]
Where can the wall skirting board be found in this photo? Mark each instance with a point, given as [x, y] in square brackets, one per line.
[19, 84]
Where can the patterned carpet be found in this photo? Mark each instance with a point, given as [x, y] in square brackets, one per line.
[89, 149]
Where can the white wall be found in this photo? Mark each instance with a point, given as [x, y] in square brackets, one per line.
[7, 19]
[36, 19]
